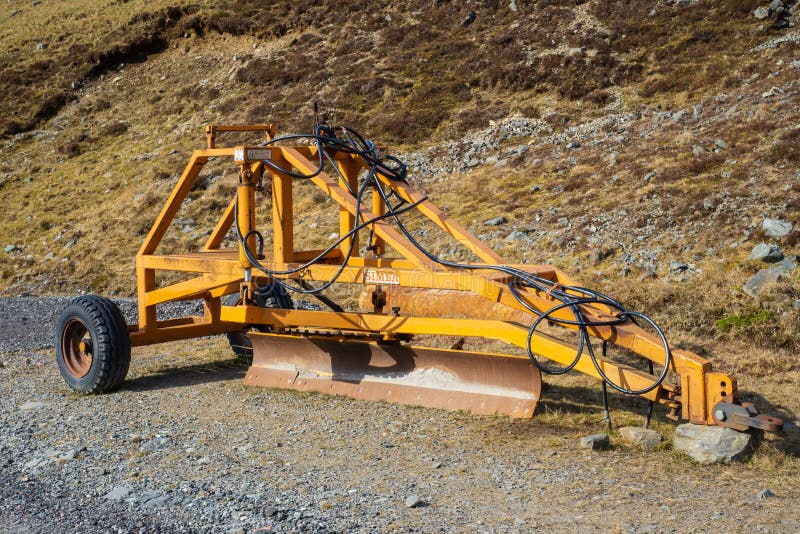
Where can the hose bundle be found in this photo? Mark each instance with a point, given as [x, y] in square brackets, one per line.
[571, 298]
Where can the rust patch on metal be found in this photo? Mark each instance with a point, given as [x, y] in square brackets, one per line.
[77, 349]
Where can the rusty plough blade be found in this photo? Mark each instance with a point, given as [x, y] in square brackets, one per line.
[481, 383]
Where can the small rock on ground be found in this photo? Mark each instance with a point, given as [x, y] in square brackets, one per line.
[412, 501]
[496, 221]
[765, 494]
[596, 442]
[33, 405]
[118, 493]
[640, 437]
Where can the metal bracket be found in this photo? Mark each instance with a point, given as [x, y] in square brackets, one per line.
[744, 417]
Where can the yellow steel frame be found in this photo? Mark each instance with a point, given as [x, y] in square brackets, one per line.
[221, 272]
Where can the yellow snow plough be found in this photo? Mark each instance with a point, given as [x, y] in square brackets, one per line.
[549, 322]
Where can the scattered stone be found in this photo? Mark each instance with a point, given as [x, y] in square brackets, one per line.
[776, 228]
[76, 85]
[512, 5]
[469, 19]
[775, 91]
[41, 46]
[9, 248]
[35, 405]
[535, 188]
[516, 235]
[155, 502]
[118, 493]
[155, 444]
[596, 442]
[698, 151]
[270, 511]
[761, 12]
[765, 494]
[713, 444]
[412, 501]
[776, 5]
[720, 144]
[679, 116]
[640, 437]
[573, 145]
[496, 221]
[676, 267]
[649, 176]
[600, 254]
[767, 253]
[650, 271]
[795, 305]
[71, 454]
[36, 462]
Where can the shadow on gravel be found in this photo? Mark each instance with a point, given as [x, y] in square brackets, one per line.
[218, 371]
[789, 440]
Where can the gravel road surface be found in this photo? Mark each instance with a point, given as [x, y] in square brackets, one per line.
[184, 446]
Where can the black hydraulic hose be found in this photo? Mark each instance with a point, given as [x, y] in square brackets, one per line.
[567, 301]
[273, 273]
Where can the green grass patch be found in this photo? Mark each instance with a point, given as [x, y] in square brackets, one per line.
[743, 320]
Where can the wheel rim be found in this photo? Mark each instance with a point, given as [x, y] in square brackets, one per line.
[77, 348]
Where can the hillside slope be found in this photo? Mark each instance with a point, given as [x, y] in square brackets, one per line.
[640, 149]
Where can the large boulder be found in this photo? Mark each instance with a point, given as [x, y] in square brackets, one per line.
[714, 444]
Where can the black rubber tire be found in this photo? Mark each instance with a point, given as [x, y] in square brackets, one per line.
[98, 320]
[269, 296]
[238, 341]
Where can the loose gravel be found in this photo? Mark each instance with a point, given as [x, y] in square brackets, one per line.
[185, 447]
[28, 323]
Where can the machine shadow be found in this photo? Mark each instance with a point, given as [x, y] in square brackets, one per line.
[556, 399]
[188, 375]
[789, 440]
